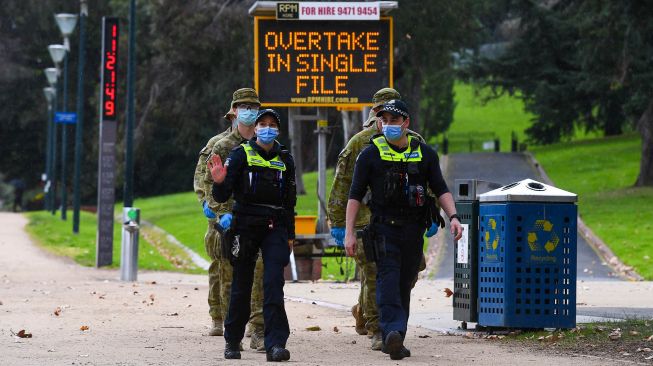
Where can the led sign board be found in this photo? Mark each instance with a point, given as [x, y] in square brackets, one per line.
[109, 67]
[321, 63]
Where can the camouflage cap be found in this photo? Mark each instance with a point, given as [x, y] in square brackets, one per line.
[245, 95]
[384, 95]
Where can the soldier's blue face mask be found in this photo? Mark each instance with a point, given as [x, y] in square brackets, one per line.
[266, 134]
[247, 115]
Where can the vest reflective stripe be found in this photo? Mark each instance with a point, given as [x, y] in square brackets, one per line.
[388, 154]
[254, 159]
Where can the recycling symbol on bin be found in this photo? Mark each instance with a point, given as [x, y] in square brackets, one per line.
[493, 234]
[542, 232]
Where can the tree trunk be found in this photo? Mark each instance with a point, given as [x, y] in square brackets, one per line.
[645, 126]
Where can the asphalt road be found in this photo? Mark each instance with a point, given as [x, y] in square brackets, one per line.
[505, 168]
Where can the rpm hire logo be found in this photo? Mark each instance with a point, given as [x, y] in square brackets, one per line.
[287, 11]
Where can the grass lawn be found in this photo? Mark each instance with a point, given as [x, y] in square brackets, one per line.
[56, 236]
[602, 172]
[500, 117]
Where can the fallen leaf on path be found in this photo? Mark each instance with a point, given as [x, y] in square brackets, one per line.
[173, 288]
[310, 317]
[83, 328]
[424, 336]
[335, 329]
[57, 311]
[102, 297]
[353, 342]
[448, 292]
[172, 314]
[469, 335]
[196, 289]
[153, 283]
[189, 305]
[22, 334]
[314, 328]
[135, 293]
[152, 297]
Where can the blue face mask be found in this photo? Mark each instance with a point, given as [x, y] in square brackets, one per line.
[392, 132]
[247, 116]
[267, 134]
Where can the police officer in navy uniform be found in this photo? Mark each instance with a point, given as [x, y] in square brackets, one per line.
[260, 173]
[398, 169]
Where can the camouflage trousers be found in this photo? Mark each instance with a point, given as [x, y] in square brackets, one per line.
[367, 295]
[220, 276]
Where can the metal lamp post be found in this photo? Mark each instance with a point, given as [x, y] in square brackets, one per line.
[83, 13]
[57, 53]
[66, 23]
[50, 94]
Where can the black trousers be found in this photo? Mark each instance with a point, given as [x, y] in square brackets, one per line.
[395, 273]
[274, 247]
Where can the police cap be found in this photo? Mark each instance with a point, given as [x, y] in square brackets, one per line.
[270, 112]
[395, 107]
[245, 95]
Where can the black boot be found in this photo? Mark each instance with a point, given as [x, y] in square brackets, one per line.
[232, 351]
[394, 346]
[277, 353]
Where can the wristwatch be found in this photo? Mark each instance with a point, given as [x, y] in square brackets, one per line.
[454, 216]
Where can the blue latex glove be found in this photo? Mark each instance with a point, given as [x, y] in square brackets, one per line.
[225, 221]
[207, 211]
[432, 230]
[338, 233]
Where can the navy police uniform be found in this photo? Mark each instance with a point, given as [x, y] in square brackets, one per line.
[398, 180]
[263, 186]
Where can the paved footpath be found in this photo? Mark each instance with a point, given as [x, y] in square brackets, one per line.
[162, 319]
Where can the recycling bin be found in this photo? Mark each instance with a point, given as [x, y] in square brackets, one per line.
[465, 282]
[527, 257]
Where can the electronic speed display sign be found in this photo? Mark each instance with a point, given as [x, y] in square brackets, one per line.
[109, 67]
[321, 62]
[107, 143]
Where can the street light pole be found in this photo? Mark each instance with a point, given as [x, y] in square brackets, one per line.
[80, 114]
[66, 23]
[49, 96]
[57, 53]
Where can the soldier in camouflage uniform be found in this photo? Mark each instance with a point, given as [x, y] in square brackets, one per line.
[244, 105]
[365, 312]
[212, 236]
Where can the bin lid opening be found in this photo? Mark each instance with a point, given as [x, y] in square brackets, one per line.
[528, 190]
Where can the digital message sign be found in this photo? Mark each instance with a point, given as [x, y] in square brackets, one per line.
[109, 67]
[321, 63]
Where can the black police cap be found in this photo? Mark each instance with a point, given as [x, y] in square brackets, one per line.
[270, 112]
[395, 107]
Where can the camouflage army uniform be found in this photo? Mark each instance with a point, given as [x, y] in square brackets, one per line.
[222, 148]
[212, 236]
[337, 205]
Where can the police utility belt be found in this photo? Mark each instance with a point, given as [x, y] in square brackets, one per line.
[254, 218]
